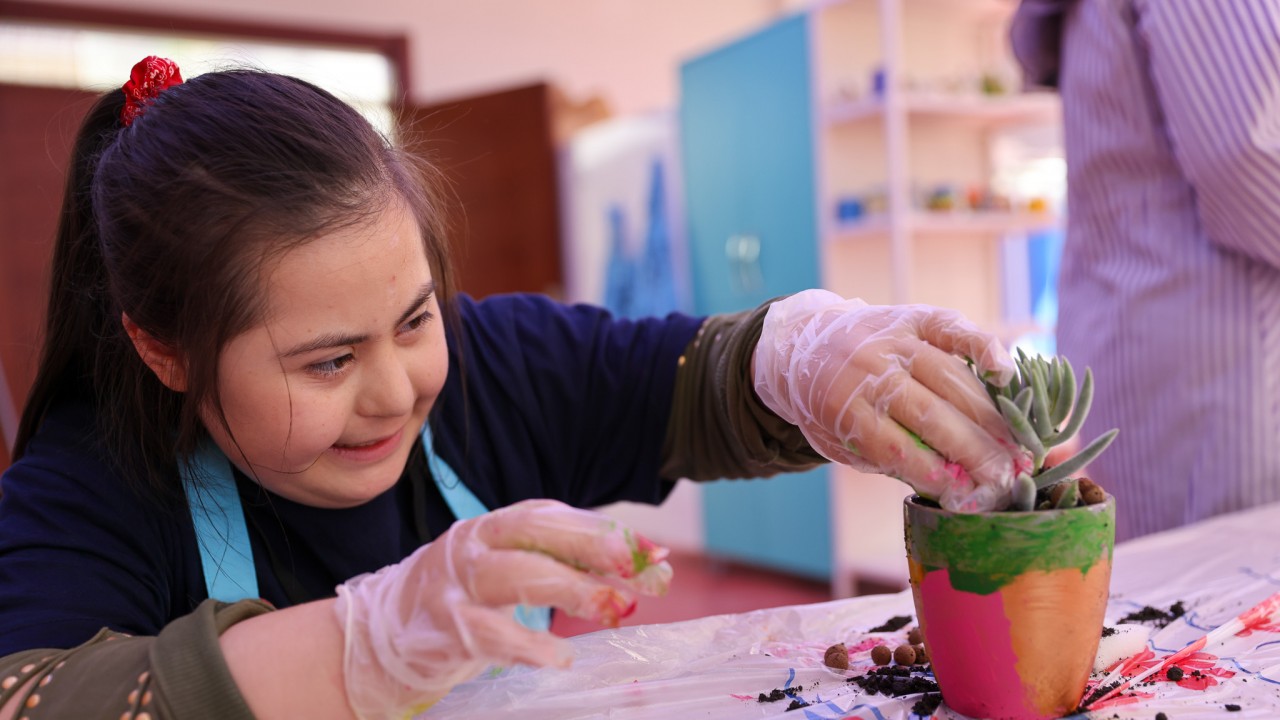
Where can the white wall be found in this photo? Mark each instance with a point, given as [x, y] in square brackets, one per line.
[627, 51]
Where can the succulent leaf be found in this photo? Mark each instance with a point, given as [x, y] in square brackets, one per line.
[1067, 395]
[1071, 465]
[1023, 401]
[1024, 492]
[1056, 398]
[1021, 427]
[1078, 413]
[1039, 403]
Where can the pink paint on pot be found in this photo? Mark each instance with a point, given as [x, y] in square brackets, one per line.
[962, 626]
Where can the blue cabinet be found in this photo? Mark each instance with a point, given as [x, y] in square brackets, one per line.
[747, 147]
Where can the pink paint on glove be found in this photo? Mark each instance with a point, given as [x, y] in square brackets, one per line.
[884, 388]
[415, 629]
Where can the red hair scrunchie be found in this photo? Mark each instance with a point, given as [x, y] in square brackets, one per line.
[150, 77]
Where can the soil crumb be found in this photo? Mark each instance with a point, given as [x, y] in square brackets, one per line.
[777, 694]
[927, 704]
[896, 680]
[1155, 616]
[893, 624]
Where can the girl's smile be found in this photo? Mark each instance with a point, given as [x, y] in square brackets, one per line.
[368, 452]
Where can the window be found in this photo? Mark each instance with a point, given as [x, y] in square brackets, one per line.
[68, 55]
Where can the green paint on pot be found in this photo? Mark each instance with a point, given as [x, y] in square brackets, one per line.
[983, 552]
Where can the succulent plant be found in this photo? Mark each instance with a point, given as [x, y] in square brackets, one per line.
[1044, 410]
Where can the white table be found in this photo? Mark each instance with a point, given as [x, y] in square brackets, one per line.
[716, 667]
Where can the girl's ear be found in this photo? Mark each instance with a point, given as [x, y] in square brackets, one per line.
[166, 362]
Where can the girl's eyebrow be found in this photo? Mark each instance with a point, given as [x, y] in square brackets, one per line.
[329, 340]
[424, 293]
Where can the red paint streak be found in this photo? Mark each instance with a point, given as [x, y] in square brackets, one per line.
[1266, 627]
[1203, 662]
[1118, 700]
[608, 607]
[1261, 612]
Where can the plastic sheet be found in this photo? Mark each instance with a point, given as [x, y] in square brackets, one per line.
[716, 668]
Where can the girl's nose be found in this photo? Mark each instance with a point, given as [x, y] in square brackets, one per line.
[388, 386]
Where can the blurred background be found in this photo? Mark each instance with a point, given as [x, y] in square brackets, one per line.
[648, 155]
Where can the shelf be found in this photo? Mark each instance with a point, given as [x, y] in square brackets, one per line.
[842, 112]
[955, 222]
[1021, 108]
[1018, 109]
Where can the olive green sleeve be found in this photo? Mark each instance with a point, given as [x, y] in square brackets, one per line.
[718, 427]
[179, 674]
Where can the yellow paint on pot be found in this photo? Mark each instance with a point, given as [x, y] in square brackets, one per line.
[1056, 621]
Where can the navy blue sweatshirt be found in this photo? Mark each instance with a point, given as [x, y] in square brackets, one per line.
[560, 402]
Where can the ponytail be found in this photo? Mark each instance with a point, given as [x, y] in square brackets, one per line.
[86, 353]
[77, 313]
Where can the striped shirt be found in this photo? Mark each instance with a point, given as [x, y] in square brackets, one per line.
[1170, 281]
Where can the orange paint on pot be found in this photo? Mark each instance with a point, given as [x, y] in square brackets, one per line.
[1058, 618]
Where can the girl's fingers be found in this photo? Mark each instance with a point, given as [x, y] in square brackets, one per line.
[966, 447]
[951, 380]
[511, 577]
[494, 634]
[950, 332]
[580, 538]
[865, 436]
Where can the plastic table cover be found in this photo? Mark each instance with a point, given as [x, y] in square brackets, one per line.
[718, 667]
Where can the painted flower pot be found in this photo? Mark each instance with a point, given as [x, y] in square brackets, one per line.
[1011, 604]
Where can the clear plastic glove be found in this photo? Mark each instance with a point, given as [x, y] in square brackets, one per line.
[415, 629]
[885, 388]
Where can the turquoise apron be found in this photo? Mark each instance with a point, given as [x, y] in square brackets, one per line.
[225, 554]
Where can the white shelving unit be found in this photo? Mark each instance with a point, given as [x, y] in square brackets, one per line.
[925, 122]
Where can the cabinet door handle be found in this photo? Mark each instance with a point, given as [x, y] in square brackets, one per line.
[743, 254]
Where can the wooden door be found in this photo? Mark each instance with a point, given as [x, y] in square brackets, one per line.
[498, 152]
[37, 129]
[748, 153]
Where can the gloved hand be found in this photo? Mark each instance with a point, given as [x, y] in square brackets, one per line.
[884, 388]
[415, 629]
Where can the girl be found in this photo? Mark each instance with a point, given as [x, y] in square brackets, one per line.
[259, 382]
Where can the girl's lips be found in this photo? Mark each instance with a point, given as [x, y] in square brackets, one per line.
[371, 452]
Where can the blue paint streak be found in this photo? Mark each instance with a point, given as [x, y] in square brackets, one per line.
[875, 711]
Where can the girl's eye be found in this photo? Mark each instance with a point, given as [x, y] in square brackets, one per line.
[417, 322]
[330, 368]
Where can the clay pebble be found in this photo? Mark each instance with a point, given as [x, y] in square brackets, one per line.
[881, 655]
[837, 656]
[904, 655]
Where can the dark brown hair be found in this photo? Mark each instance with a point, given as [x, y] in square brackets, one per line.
[170, 220]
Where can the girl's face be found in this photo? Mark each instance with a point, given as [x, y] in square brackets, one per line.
[326, 397]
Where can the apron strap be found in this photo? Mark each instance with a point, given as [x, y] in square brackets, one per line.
[466, 505]
[225, 554]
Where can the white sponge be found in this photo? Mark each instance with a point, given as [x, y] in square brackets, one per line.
[1127, 640]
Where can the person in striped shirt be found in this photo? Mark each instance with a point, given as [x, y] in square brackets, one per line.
[1170, 281]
